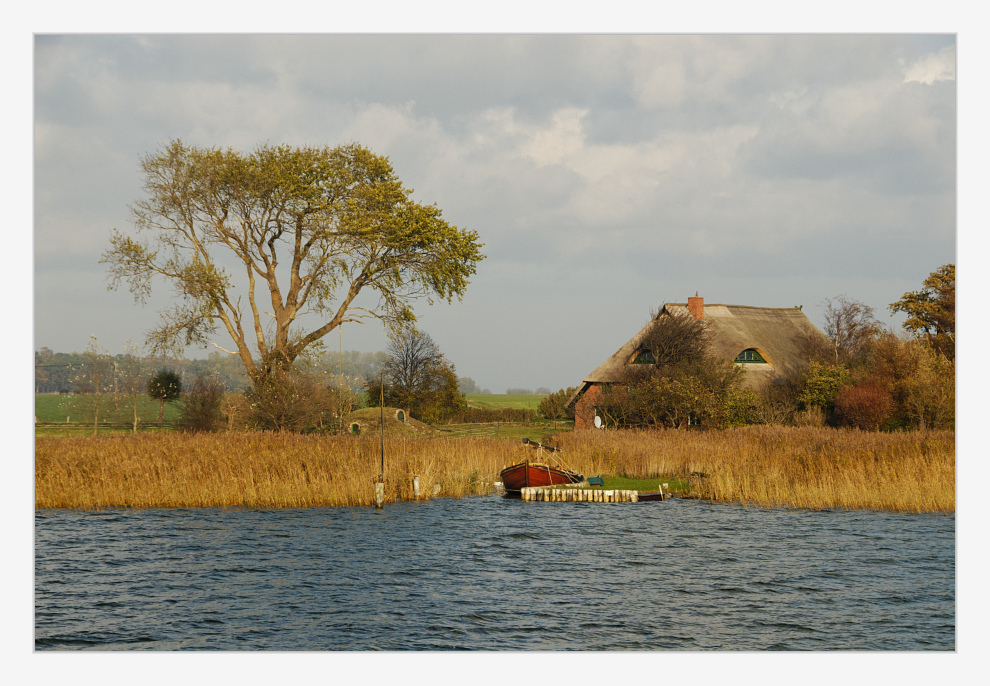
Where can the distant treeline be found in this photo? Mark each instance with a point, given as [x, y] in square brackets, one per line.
[70, 372]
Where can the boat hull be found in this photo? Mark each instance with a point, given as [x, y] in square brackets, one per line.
[520, 476]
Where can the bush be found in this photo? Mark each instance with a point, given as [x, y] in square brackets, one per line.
[866, 405]
[201, 406]
[236, 411]
[296, 401]
[776, 402]
[821, 383]
[554, 406]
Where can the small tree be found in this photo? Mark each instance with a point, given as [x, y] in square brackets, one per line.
[98, 371]
[930, 393]
[165, 387]
[201, 409]
[132, 376]
[675, 380]
[932, 310]
[554, 406]
[417, 377]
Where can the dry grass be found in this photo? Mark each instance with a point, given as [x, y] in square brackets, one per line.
[255, 469]
[771, 466]
[775, 466]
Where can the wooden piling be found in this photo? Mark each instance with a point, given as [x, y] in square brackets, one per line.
[570, 495]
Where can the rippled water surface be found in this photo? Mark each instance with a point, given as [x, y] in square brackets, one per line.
[492, 573]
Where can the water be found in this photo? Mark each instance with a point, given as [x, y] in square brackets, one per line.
[491, 573]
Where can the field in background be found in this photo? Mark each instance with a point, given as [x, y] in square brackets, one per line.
[52, 408]
[490, 401]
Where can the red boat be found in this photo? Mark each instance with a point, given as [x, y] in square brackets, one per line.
[547, 470]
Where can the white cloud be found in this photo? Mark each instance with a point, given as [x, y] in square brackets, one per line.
[935, 66]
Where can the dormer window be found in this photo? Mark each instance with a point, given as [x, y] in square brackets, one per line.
[750, 356]
[644, 357]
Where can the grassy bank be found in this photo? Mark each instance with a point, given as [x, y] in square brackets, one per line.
[769, 466]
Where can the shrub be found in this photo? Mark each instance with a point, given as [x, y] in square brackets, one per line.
[776, 402]
[201, 405]
[554, 406]
[865, 405]
[821, 383]
[293, 401]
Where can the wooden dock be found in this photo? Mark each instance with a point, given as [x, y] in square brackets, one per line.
[583, 494]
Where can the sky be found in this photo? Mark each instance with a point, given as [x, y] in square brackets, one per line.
[605, 174]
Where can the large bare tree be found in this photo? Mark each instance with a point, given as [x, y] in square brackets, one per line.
[850, 326]
[314, 227]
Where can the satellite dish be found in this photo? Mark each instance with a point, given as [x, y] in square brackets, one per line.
[598, 422]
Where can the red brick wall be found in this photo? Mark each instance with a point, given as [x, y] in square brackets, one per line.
[584, 409]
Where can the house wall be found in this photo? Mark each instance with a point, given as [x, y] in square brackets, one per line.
[584, 408]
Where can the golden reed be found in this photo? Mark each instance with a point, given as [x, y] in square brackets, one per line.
[766, 466]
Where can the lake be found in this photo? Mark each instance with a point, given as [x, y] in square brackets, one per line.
[492, 573]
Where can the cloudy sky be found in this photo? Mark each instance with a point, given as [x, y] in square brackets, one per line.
[605, 174]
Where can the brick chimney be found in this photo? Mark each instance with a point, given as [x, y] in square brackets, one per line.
[696, 306]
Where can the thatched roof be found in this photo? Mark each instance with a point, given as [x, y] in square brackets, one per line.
[776, 332]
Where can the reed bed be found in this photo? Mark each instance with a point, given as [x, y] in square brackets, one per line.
[765, 466]
[263, 470]
[775, 466]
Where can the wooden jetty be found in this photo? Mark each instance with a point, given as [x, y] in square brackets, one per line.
[583, 494]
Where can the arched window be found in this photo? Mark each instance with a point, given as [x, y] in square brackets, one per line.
[750, 355]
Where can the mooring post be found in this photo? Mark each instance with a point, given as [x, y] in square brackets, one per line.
[379, 493]
[416, 486]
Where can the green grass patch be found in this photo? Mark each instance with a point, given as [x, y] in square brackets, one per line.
[54, 408]
[497, 401]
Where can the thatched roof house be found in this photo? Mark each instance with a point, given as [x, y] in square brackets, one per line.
[763, 340]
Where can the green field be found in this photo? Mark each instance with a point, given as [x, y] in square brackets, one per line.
[52, 408]
[491, 401]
